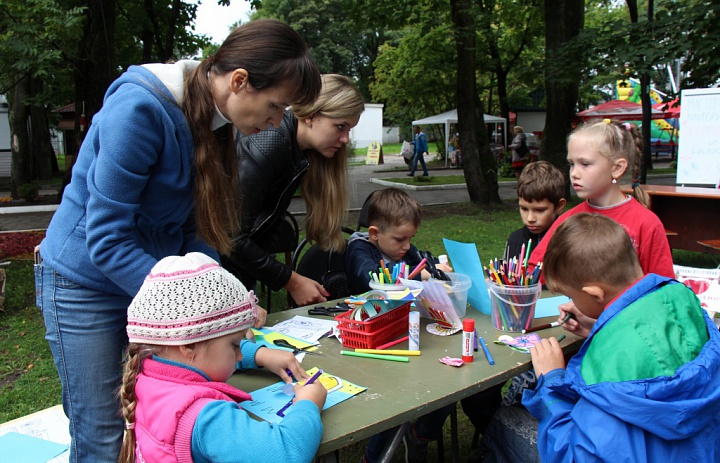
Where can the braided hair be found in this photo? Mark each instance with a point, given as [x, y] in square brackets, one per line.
[136, 354]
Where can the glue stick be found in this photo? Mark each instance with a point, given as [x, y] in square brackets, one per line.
[414, 330]
[468, 340]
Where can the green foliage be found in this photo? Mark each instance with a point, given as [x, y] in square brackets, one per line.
[339, 43]
[506, 170]
[681, 31]
[35, 37]
[415, 75]
[28, 192]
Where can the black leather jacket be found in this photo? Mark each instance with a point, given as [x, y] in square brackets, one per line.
[270, 167]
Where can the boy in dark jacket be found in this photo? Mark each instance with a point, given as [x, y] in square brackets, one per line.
[541, 197]
[393, 220]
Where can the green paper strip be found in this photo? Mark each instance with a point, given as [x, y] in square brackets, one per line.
[394, 358]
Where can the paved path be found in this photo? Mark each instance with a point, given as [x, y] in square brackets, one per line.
[30, 218]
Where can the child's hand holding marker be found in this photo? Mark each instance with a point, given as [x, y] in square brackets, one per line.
[578, 323]
[311, 389]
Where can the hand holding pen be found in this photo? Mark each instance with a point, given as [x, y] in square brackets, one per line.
[310, 390]
[578, 323]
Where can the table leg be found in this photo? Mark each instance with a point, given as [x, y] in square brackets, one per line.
[391, 448]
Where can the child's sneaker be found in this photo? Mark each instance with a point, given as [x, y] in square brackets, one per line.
[415, 447]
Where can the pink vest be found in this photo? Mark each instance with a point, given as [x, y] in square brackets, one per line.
[169, 399]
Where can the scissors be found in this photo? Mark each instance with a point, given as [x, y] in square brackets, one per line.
[329, 311]
[296, 350]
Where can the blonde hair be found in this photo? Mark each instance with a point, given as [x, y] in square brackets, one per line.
[617, 140]
[587, 249]
[273, 54]
[324, 186]
[518, 129]
[136, 354]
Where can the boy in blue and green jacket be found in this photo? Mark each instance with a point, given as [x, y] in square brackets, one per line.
[645, 385]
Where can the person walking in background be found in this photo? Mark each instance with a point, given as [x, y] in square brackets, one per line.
[155, 176]
[520, 151]
[421, 147]
[308, 149]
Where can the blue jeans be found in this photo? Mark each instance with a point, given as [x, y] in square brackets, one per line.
[413, 164]
[86, 332]
[511, 437]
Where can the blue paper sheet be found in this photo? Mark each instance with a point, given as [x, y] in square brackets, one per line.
[466, 260]
[268, 400]
[548, 307]
[21, 448]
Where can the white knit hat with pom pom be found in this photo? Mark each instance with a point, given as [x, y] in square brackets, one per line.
[187, 299]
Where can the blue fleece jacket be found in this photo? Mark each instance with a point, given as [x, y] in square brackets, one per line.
[606, 407]
[130, 201]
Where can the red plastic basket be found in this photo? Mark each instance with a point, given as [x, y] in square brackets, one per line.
[374, 332]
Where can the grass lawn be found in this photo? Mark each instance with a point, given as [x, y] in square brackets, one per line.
[28, 381]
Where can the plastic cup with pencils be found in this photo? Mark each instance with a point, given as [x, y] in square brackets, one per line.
[513, 307]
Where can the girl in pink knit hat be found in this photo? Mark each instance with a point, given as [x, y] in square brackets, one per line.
[187, 329]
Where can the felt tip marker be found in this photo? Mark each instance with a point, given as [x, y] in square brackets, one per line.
[489, 357]
[312, 379]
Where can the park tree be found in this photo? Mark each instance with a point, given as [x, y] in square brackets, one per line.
[415, 72]
[34, 39]
[563, 22]
[479, 164]
[57, 51]
[339, 42]
[510, 37]
[642, 39]
[120, 33]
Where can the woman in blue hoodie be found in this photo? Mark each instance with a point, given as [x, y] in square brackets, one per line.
[155, 176]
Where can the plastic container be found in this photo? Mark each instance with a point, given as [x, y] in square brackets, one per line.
[376, 331]
[457, 288]
[512, 308]
[387, 287]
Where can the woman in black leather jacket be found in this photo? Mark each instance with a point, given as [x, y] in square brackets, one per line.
[308, 149]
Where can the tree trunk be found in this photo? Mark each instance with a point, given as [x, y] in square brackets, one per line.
[31, 150]
[647, 111]
[564, 20]
[95, 68]
[42, 150]
[19, 117]
[479, 164]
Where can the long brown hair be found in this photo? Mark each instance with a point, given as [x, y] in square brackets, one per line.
[273, 54]
[618, 140]
[136, 353]
[324, 186]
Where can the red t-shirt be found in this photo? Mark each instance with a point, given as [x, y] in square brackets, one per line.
[645, 229]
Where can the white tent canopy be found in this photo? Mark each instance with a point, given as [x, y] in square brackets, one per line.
[451, 117]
